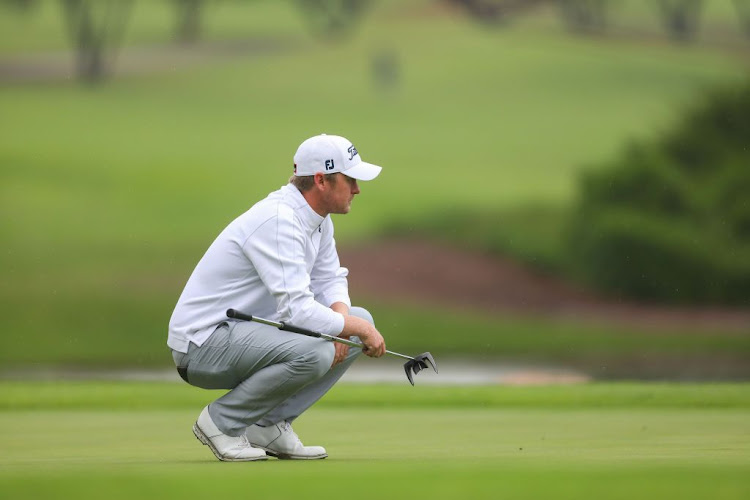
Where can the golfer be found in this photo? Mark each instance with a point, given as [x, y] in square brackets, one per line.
[278, 260]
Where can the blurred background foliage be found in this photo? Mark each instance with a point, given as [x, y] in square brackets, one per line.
[585, 138]
[670, 220]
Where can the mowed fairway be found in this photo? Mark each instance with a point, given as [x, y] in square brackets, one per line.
[94, 440]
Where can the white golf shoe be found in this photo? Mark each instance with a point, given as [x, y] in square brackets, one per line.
[281, 441]
[226, 448]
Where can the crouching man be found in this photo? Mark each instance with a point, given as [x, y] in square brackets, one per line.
[278, 260]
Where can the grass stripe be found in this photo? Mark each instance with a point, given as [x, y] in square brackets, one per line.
[137, 396]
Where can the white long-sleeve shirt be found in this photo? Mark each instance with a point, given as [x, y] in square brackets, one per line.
[278, 261]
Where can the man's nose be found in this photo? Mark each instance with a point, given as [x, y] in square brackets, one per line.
[355, 188]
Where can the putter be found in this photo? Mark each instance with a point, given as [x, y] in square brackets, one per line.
[415, 364]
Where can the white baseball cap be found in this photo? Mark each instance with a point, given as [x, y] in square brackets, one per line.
[329, 154]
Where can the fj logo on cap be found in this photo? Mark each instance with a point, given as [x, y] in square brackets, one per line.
[352, 151]
[329, 165]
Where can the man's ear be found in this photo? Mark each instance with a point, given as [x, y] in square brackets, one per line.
[319, 180]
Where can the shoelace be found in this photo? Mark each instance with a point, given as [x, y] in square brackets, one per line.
[243, 441]
[287, 427]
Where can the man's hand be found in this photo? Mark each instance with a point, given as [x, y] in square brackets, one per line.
[342, 351]
[374, 343]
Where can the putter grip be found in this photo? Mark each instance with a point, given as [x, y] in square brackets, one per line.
[233, 313]
[296, 329]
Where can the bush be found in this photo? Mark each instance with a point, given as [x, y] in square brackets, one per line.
[670, 220]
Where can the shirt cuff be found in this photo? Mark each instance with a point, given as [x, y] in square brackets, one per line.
[338, 324]
[332, 296]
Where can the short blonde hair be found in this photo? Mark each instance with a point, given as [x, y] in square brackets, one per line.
[306, 182]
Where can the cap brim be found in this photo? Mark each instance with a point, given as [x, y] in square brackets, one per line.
[363, 171]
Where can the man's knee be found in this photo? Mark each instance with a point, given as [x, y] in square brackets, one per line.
[320, 358]
[361, 312]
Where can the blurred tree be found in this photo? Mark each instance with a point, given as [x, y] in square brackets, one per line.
[332, 18]
[95, 28]
[743, 13]
[20, 5]
[584, 16]
[670, 219]
[681, 17]
[493, 11]
[189, 16]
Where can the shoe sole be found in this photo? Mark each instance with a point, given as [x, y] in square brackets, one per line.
[207, 442]
[286, 456]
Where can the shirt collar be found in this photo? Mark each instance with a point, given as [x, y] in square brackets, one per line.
[309, 217]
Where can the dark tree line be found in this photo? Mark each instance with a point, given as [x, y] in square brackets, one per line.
[332, 18]
[584, 16]
[494, 11]
[96, 27]
[680, 18]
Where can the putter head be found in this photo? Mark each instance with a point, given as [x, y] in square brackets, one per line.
[416, 365]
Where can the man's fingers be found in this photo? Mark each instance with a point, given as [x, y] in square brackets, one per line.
[372, 351]
[375, 351]
[374, 344]
[341, 351]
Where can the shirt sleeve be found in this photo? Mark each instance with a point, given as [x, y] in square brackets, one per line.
[277, 251]
[328, 278]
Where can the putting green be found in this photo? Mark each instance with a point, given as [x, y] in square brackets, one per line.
[639, 449]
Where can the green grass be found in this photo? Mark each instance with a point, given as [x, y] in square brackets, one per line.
[603, 441]
[90, 395]
[112, 194]
[95, 340]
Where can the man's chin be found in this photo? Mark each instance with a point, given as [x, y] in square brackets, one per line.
[345, 209]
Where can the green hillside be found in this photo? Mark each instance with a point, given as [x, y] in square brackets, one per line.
[111, 194]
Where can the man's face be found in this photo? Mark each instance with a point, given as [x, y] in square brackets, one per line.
[340, 194]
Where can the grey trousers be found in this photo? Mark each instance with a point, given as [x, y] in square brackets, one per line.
[273, 375]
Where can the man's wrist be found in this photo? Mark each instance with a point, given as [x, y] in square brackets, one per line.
[340, 308]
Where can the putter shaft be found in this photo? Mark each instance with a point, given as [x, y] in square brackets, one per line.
[281, 326]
